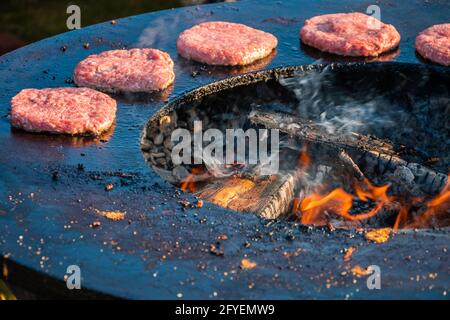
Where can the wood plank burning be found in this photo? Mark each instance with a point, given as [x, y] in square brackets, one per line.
[269, 197]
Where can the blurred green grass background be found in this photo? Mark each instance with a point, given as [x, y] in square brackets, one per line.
[27, 21]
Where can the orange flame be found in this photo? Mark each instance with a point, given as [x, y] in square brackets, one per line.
[401, 217]
[314, 207]
[188, 184]
[434, 208]
[366, 191]
[304, 159]
[442, 199]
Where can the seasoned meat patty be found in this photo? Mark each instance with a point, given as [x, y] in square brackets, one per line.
[225, 43]
[349, 34]
[434, 43]
[135, 70]
[63, 110]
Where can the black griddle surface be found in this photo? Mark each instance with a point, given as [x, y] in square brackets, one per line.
[49, 185]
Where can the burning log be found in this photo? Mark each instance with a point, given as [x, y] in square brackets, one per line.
[278, 203]
[269, 197]
[309, 131]
[373, 155]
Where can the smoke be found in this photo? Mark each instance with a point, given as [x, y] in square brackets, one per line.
[216, 167]
[352, 117]
[241, 151]
[334, 109]
[161, 30]
[159, 33]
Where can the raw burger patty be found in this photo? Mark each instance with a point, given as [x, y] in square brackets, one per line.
[63, 110]
[225, 43]
[349, 34]
[434, 43]
[135, 70]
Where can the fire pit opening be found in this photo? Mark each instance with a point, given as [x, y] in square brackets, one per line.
[347, 146]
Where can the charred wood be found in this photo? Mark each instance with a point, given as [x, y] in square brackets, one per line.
[373, 155]
[349, 163]
[409, 173]
[309, 131]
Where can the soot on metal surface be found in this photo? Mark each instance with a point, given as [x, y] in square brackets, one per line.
[59, 188]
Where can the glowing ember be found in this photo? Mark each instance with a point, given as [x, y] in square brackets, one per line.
[378, 235]
[112, 215]
[360, 271]
[227, 194]
[349, 253]
[247, 264]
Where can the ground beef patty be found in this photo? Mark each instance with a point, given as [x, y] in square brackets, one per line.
[434, 43]
[135, 70]
[63, 110]
[349, 34]
[225, 43]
